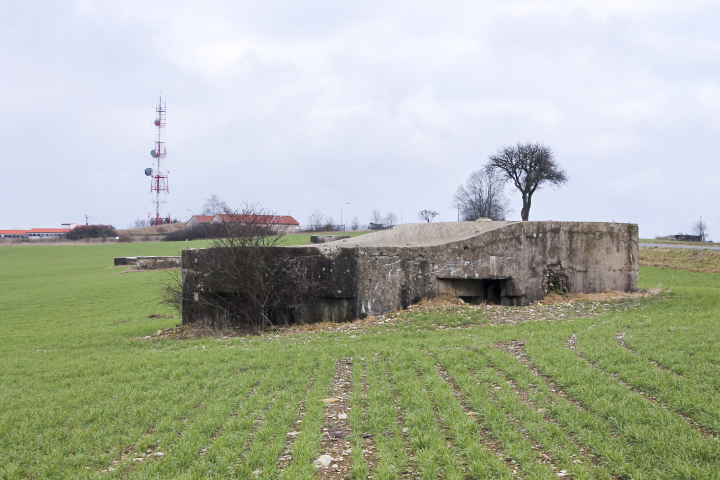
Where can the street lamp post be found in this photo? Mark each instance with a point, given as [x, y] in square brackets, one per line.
[341, 209]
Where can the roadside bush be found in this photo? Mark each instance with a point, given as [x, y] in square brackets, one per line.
[91, 231]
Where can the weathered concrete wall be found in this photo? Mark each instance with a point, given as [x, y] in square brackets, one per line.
[327, 238]
[526, 259]
[148, 263]
[335, 271]
[513, 263]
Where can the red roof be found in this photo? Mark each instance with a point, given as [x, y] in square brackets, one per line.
[264, 219]
[203, 218]
[13, 232]
[49, 230]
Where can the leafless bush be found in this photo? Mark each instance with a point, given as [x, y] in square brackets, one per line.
[427, 215]
[315, 220]
[700, 229]
[246, 278]
[214, 205]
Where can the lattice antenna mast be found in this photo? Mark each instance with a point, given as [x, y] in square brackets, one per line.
[159, 190]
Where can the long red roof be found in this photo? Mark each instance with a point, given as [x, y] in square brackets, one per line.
[49, 230]
[265, 219]
[203, 218]
[13, 232]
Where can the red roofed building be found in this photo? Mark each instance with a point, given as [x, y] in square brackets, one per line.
[39, 233]
[284, 222]
[13, 233]
[198, 219]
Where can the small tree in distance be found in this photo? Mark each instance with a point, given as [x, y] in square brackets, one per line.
[390, 219]
[700, 228]
[214, 205]
[427, 215]
[315, 220]
[355, 224]
[482, 196]
[527, 166]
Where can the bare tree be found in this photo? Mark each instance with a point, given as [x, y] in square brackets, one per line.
[700, 228]
[482, 196]
[315, 220]
[140, 223]
[355, 224]
[246, 278]
[328, 225]
[214, 205]
[427, 215]
[528, 166]
[376, 217]
[390, 219]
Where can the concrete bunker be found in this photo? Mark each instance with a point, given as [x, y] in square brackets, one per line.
[507, 263]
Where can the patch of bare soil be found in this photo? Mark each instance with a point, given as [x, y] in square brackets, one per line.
[336, 448]
[554, 306]
[606, 296]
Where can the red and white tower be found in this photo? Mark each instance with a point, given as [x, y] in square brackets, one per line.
[159, 190]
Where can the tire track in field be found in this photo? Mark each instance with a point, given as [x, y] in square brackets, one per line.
[594, 428]
[336, 432]
[238, 411]
[461, 430]
[286, 458]
[407, 471]
[620, 339]
[122, 461]
[368, 452]
[705, 432]
[516, 348]
[486, 440]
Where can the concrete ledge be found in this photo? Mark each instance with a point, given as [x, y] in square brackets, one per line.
[327, 238]
[148, 263]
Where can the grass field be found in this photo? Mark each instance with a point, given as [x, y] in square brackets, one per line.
[631, 392]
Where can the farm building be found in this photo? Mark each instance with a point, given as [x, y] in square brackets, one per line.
[40, 233]
[199, 219]
[16, 234]
[509, 263]
[285, 222]
[35, 233]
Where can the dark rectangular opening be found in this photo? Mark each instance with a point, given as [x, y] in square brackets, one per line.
[474, 290]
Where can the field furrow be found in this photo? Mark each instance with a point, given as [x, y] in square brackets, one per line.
[696, 403]
[570, 389]
[656, 442]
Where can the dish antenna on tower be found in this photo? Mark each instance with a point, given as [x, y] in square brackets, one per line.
[159, 190]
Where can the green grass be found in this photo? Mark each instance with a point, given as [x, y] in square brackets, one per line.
[83, 396]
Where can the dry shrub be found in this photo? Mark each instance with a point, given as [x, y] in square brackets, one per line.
[247, 279]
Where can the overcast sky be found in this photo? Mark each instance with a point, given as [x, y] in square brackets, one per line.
[387, 105]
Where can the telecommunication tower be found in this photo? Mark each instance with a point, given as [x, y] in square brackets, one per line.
[159, 190]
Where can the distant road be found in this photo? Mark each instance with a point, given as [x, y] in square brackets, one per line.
[692, 247]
